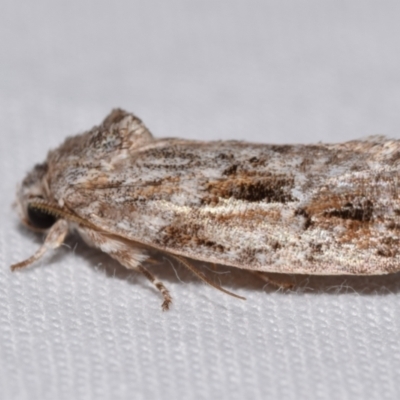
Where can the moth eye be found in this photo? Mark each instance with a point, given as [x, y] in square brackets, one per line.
[40, 219]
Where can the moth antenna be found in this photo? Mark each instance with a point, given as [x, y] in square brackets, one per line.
[54, 239]
[203, 278]
[59, 212]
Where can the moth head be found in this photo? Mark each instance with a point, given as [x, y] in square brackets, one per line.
[31, 194]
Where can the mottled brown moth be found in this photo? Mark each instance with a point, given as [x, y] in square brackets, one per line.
[325, 209]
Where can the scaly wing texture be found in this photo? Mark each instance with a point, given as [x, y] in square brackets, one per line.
[323, 209]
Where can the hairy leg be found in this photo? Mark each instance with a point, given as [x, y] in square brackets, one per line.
[54, 239]
[129, 256]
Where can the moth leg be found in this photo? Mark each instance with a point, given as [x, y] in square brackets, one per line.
[280, 283]
[159, 285]
[54, 239]
[129, 256]
[125, 259]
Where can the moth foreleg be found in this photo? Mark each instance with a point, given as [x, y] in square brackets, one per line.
[54, 239]
[129, 256]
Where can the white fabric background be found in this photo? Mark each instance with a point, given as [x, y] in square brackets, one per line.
[78, 326]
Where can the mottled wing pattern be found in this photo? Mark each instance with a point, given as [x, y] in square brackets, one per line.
[325, 209]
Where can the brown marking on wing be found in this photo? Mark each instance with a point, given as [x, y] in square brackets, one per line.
[180, 234]
[101, 181]
[358, 233]
[247, 217]
[249, 256]
[393, 226]
[347, 206]
[244, 186]
[360, 210]
[350, 214]
[142, 191]
[389, 247]
[231, 170]
[157, 189]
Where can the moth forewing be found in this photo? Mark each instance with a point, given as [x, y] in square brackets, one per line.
[321, 209]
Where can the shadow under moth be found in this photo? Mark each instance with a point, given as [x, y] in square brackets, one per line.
[324, 209]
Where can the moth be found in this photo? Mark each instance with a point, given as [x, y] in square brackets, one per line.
[325, 209]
